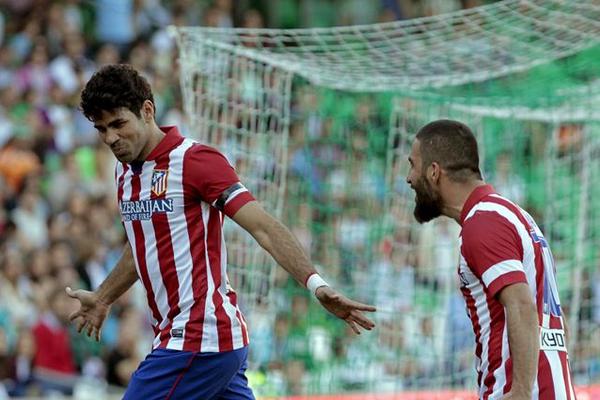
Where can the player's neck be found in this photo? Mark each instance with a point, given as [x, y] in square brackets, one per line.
[156, 135]
[455, 195]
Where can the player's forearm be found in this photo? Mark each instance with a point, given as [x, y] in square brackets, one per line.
[523, 339]
[277, 239]
[120, 279]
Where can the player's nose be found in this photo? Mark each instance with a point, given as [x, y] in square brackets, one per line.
[111, 137]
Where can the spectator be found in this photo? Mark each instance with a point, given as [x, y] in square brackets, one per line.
[71, 68]
[53, 363]
[115, 23]
[337, 147]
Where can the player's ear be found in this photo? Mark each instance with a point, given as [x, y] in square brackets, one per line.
[433, 172]
[148, 110]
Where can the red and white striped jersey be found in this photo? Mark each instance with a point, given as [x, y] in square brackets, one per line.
[171, 207]
[502, 245]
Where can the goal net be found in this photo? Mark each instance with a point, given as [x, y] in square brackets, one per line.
[318, 123]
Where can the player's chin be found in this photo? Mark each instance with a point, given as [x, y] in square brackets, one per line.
[124, 157]
[425, 214]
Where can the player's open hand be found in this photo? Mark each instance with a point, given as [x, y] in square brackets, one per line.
[91, 314]
[349, 310]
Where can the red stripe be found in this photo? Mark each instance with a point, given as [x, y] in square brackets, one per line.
[237, 202]
[195, 228]
[565, 372]
[495, 342]
[555, 322]
[140, 251]
[506, 279]
[233, 300]
[214, 256]
[246, 338]
[508, 372]
[121, 181]
[470, 302]
[166, 259]
[545, 379]
[180, 376]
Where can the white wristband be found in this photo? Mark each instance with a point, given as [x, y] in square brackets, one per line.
[314, 282]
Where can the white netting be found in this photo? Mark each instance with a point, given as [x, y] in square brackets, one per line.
[450, 49]
[337, 159]
[241, 107]
[558, 152]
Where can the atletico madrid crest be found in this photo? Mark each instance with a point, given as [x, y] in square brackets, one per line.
[159, 181]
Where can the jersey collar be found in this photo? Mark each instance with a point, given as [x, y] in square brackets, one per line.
[172, 139]
[475, 197]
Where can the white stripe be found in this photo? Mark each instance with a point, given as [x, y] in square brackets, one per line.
[235, 194]
[535, 393]
[482, 315]
[118, 172]
[210, 341]
[557, 375]
[526, 241]
[500, 372]
[545, 320]
[497, 270]
[152, 261]
[180, 243]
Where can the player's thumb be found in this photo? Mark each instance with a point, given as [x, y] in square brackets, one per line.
[72, 293]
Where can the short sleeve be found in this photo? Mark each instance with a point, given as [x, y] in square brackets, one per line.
[207, 174]
[493, 250]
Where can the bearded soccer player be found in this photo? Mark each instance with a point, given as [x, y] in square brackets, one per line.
[506, 269]
[172, 195]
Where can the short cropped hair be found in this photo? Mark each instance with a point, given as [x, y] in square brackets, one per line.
[453, 146]
[115, 86]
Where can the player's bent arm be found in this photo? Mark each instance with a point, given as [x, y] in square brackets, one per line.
[276, 239]
[523, 337]
[120, 279]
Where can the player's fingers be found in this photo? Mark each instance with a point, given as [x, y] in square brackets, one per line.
[352, 324]
[72, 293]
[90, 329]
[81, 325]
[362, 307]
[75, 315]
[363, 321]
[98, 334]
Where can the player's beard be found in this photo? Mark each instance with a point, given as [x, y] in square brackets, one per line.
[428, 203]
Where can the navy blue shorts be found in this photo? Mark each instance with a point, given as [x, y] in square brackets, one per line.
[171, 374]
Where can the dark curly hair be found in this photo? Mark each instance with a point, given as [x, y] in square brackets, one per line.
[115, 86]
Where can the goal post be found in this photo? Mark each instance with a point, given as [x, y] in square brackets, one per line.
[318, 123]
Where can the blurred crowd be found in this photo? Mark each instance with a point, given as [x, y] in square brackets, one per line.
[59, 225]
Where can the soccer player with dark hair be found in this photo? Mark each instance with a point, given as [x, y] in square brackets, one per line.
[172, 194]
[506, 270]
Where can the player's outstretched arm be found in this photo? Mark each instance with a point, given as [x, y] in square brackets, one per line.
[94, 306]
[275, 238]
[523, 338]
